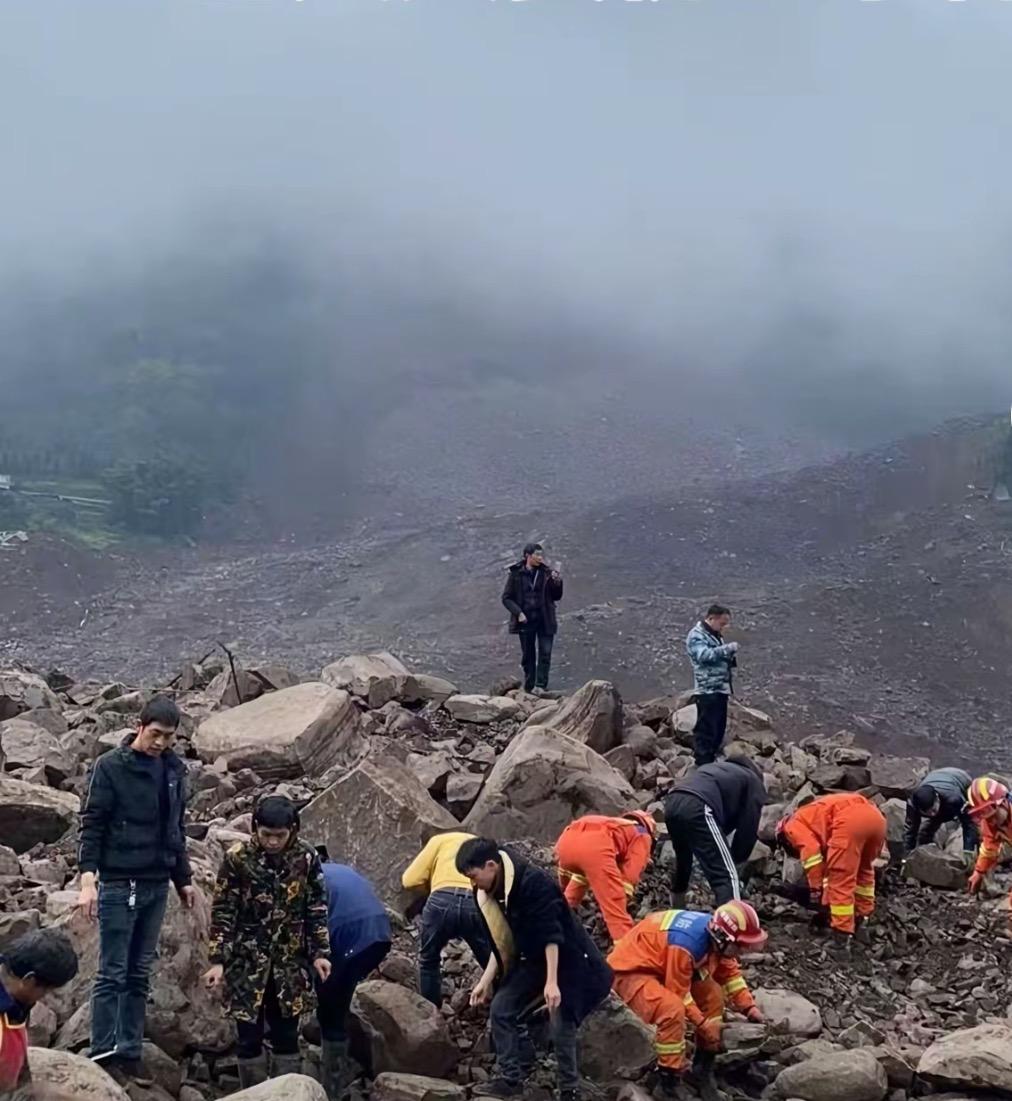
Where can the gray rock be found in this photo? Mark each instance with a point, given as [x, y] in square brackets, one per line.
[289, 1087]
[972, 1058]
[623, 759]
[615, 1044]
[16, 924]
[419, 688]
[375, 678]
[394, 1029]
[21, 692]
[592, 715]
[60, 1074]
[414, 1087]
[9, 864]
[482, 710]
[25, 745]
[929, 864]
[844, 1076]
[462, 788]
[897, 776]
[789, 1010]
[641, 740]
[30, 813]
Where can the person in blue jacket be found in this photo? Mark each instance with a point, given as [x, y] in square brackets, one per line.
[359, 941]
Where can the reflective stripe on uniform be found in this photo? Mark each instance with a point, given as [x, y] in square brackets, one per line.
[668, 917]
[670, 1049]
[865, 892]
[629, 889]
[575, 876]
[812, 861]
[842, 911]
[732, 986]
[688, 999]
[985, 851]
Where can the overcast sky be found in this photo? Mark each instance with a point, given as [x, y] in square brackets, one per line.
[697, 174]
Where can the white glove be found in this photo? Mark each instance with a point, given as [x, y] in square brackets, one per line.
[732, 647]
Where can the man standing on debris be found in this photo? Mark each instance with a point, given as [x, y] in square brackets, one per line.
[607, 855]
[132, 838]
[31, 967]
[837, 838]
[269, 938]
[679, 965]
[991, 806]
[702, 811]
[449, 912]
[531, 593]
[713, 662]
[542, 954]
[359, 942]
[940, 797]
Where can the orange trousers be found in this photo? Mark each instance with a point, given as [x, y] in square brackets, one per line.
[655, 1004]
[854, 845]
[587, 859]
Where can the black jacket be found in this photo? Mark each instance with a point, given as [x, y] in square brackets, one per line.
[549, 591]
[123, 834]
[538, 916]
[735, 792]
[951, 786]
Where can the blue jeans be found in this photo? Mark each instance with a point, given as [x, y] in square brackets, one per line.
[449, 914]
[128, 940]
[535, 656]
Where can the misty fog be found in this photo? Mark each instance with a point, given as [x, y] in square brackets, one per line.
[500, 248]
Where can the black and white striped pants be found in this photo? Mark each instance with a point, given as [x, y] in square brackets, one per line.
[694, 832]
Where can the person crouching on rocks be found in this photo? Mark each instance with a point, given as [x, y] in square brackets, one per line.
[269, 938]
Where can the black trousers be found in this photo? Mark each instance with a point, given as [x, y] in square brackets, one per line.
[284, 1031]
[711, 726]
[333, 997]
[694, 832]
[535, 656]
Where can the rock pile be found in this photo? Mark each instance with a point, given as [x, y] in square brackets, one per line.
[381, 758]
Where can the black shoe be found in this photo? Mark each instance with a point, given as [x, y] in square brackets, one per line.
[499, 1087]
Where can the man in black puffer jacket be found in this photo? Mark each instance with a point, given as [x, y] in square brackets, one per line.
[530, 595]
[132, 838]
[702, 811]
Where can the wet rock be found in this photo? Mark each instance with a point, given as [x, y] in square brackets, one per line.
[289, 1087]
[972, 1058]
[482, 710]
[929, 864]
[21, 692]
[394, 1029]
[378, 800]
[301, 730]
[789, 1010]
[65, 1075]
[592, 715]
[897, 776]
[375, 678]
[615, 1043]
[31, 813]
[26, 745]
[414, 1087]
[541, 783]
[845, 1076]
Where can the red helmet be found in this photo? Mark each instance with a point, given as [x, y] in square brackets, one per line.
[647, 821]
[739, 923]
[984, 794]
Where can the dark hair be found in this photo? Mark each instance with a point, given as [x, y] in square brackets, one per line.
[46, 954]
[532, 548]
[924, 798]
[276, 812]
[715, 610]
[476, 853]
[161, 710]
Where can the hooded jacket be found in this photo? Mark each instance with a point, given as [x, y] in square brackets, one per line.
[735, 792]
[951, 786]
[549, 591]
[123, 832]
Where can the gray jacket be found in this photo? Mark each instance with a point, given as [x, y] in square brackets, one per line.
[951, 785]
[712, 661]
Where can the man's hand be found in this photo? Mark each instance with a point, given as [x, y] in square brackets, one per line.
[188, 896]
[975, 884]
[87, 900]
[480, 992]
[732, 646]
[553, 996]
[521, 618]
[709, 1034]
[755, 1015]
[322, 968]
[214, 976]
[556, 576]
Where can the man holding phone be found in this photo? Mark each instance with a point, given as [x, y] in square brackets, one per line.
[531, 593]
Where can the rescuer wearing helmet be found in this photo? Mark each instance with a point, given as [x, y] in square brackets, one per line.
[991, 807]
[837, 838]
[678, 965]
[608, 855]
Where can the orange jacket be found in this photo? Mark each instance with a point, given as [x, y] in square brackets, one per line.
[674, 946]
[832, 821]
[992, 838]
[631, 842]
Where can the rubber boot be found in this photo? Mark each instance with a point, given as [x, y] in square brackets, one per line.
[334, 1067]
[252, 1071]
[286, 1064]
[677, 899]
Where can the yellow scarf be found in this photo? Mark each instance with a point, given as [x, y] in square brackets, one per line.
[495, 919]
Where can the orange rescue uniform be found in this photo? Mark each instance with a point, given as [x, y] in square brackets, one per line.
[838, 839]
[608, 855]
[667, 971]
[992, 837]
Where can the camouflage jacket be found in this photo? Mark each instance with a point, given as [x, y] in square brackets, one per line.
[269, 915]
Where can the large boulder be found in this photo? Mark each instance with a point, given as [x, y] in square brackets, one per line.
[375, 678]
[395, 1029]
[30, 813]
[61, 1074]
[376, 818]
[25, 745]
[21, 692]
[289, 1087]
[297, 731]
[482, 710]
[541, 783]
[615, 1043]
[414, 1087]
[593, 715]
[795, 1014]
[897, 776]
[931, 865]
[421, 688]
[972, 1058]
[837, 1076]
